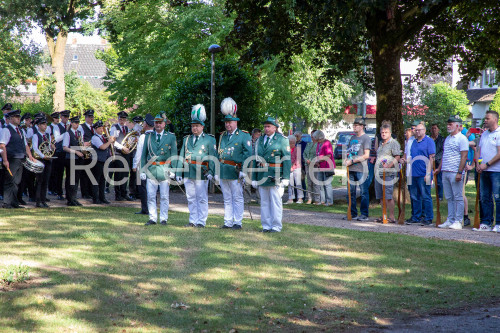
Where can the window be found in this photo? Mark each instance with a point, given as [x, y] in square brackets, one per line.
[489, 78]
[75, 57]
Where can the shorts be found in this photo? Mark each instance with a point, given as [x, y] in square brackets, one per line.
[389, 189]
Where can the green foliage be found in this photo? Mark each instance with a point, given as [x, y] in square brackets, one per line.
[80, 95]
[14, 273]
[231, 80]
[300, 94]
[495, 105]
[441, 101]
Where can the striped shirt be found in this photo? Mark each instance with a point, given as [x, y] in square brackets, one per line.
[453, 145]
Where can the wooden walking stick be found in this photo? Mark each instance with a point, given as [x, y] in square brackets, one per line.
[349, 216]
[477, 208]
[438, 212]
[384, 204]
[399, 194]
[402, 211]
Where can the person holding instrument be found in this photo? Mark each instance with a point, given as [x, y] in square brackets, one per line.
[102, 145]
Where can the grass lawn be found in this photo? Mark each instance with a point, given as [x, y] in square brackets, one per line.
[96, 270]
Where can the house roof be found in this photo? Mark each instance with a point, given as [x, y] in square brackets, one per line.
[81, 59]
[481, 95]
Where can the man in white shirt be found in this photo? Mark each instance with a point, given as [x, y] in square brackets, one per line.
[455, 149]
[59, 127]
[149, 123]
[119, 131]
[42, 179]
[74, 156]
[488, 166]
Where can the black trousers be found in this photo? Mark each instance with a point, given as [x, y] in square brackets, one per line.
[58, 172]
[98, 190]
[2, 177]
[120, 190]
[72, 187]
[143, 194]
[85, 184]
[42, 181]
[27, 183]
[11, 183]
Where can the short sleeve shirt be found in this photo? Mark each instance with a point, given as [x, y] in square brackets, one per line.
[387, 151]
[424, 148]
[453, 145]
[489, 143]
[357, 146]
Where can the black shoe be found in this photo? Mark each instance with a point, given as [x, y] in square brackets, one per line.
[189, 225]
[97, 202]
[128, 198]
[71, 204]
[150, 222]
[39, 205]
[466, 222]
[411, 221]
[200, 226]
[22, 202]
[86, 196]
[119, 199]
[60, 197]
[265, 230]
[76, 202]
[425, 223]
[236, 227]
[44, 204]
[47, 200]
[17, 206]
[142, 213]
[7, 206]
[163, 222]
[225, 227]
[104, 201]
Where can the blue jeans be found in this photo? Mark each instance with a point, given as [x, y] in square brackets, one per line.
[489, 190]
[365, 196]
[420, 194]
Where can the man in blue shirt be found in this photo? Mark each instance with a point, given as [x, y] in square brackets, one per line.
[423, 151]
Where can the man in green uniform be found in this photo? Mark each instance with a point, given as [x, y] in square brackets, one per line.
[235, 146]
[159, 147]
[198, 154]
[271, 174]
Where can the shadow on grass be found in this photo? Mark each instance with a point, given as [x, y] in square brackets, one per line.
[108, 271]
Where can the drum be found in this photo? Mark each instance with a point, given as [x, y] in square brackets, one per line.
[35, 167]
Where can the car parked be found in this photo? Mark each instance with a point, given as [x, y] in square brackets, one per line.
[341, 139]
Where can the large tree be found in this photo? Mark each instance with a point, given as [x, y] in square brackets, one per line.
[352, 34]
[56, 18]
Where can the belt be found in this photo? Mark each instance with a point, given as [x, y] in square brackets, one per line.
[233, 163]
[198, 163]
[272, 165]
[161, 163]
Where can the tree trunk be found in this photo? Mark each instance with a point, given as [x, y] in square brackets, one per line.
[57, 50]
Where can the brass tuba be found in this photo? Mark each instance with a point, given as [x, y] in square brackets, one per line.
[130, 140]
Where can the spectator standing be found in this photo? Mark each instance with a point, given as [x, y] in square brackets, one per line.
[295, 172]
[301, 144]
[422, 153]
[488, 167]
[326, 164]
[455, 152]
[409, 138]
[439, 142]
[248, 187]
[309, 155]
[358, 153]
[468, 167]
[388, 155]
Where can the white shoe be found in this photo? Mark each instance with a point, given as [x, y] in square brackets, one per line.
[289, 202]
[445, 225]
[300, 201]
[482, 227]
[456, 225]
[496, 228]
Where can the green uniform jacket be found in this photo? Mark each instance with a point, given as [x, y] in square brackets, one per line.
[278, 148]
[205, 146]
[238, 149]
[164, 150]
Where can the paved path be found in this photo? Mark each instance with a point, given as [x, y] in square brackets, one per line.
[178, 203]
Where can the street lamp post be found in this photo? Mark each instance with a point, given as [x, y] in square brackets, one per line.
[214, 48]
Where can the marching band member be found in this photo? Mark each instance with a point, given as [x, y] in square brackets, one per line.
[159, 146]
[86, 187]
[42, 178]
[149, 124]
[132, 184]
[4, 122]
[71, 145]
[59, 127]
[101, 144]
[196, 169]
[119, 131]
[28, 177]
[14, 150]
[273, 160]
[138, 120]
[235, 146]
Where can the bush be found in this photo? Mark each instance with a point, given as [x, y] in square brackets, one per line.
[14, 273]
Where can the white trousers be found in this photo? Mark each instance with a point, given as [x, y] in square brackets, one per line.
[232, 192]
[152, 188]
[271, 207]
[295, 180]
[197, 197]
